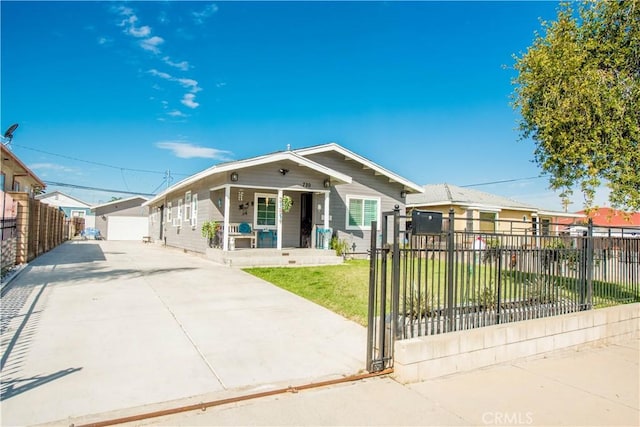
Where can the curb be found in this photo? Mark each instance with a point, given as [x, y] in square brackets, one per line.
[6, 281]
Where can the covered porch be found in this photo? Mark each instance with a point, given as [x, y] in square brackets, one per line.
[271, 218]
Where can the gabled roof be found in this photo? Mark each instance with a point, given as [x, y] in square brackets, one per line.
[468, 198]
[366, 163]
[46, 196]
[113, 202]
[8, 157]
[448, 194]
[255, 161]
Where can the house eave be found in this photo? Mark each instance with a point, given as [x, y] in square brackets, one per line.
[409, 186]
[336, 177]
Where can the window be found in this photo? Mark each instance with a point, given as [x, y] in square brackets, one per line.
[2, 178]
[169, 212]
[488, 222]
[179, 210]
[545, 226]
[265, 211]
[77, 214]
[194, 210]
[187, 206]
[361, 212]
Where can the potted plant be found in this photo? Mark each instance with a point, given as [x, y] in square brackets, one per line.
[210, 230]
[287, 202]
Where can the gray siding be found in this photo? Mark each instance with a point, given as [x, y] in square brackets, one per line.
[365, 183]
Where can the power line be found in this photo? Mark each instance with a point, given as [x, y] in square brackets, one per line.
[95, 163]
[502, 181]
[106, 190]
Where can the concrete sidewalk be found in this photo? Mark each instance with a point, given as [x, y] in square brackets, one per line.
[99, 326]
[592, 387]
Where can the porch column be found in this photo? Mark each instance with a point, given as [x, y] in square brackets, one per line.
[279, 221]
[225, 222]
[326, 220]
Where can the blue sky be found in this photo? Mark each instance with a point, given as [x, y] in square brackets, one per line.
[111, 94]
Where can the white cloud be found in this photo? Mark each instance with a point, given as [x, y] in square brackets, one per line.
[104, 40]
[189, 100]
[200, 17]
[50, 166]
[160, 74]
[190, 84]
[176, 113]
[221, 84]
[143, 31]
[182, 65]
[151, 44]
[185, 150]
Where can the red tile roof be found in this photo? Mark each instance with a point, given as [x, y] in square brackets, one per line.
[607, 217]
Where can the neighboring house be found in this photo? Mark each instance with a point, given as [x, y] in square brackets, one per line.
[72, 207]
[29, 228]
[332, 191]
[123, 219]
[16, 176]
[606, 222]
[478, 211]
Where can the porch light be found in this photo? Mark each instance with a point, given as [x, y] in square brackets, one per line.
[234, 176]
[327, 183]
[403, 194]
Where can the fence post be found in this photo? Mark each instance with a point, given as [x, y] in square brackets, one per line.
[395, 280]
[589, 275]
[373, 259]
[499, 283]
[450, 269]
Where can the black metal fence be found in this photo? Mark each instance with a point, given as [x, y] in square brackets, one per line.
[8, 228]
[455, 280]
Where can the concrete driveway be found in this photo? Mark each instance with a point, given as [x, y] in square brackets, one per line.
[97, 326]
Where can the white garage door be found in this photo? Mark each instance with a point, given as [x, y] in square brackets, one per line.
[127, 227]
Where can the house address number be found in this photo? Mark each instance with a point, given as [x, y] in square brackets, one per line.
[306, 185]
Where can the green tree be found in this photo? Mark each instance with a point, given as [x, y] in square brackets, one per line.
[578, 92]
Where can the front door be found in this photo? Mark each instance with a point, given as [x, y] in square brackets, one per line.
[306, 223]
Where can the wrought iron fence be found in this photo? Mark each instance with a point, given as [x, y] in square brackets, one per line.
[454, 280]
[8, 228]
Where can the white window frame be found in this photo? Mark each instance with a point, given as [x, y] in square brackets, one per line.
[194, 210]
[170, 212]
[179, 215]
[187, 206]
[363, 198]
[75, 213]
[255, 211]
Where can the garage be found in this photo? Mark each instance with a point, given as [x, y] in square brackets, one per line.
[126, 228]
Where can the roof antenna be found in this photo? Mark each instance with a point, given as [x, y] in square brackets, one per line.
[8, 135]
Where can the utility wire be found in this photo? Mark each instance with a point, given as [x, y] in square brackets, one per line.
[106, 190]
[502, 181]
[94, 163]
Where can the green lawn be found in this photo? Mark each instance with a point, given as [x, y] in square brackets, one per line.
[343, 289]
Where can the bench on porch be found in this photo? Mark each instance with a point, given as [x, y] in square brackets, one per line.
[241, 231]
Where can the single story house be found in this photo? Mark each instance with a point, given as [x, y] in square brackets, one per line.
[478, 211]
[122, 219]
[288, 199]
[71, 206]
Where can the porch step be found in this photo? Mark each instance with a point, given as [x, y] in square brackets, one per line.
[274, 257]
